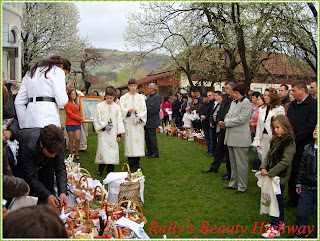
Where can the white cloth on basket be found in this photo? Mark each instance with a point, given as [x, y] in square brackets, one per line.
[115, 176]
[270, 187]
[135, 227]
[114, 189]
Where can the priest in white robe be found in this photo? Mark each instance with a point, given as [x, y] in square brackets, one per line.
[134, 113]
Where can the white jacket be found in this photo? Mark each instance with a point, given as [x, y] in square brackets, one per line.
[261, 124]
[41, 113]
[270, 187]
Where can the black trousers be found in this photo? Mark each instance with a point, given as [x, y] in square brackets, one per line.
[134, 163]
[196, 125]
[177, 121]
[165, 120]
[221, 153]
[214, 140]
[293, 195]
[151, 141]
[110, 168]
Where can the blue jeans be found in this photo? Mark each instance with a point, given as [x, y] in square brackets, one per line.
[275, 221]
[308, 198]
[208, 138]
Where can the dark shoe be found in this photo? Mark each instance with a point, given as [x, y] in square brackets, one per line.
[226, 174]
[225, 178]
[209, 170]
[297, 236]
[239, 192]
[99, 173]
[229, 187]
[77, 158]
[290, 204]
[133, 169]
[153, 156]
[210, 154]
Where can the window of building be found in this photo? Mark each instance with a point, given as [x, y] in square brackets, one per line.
[12, 64]
[12, 37]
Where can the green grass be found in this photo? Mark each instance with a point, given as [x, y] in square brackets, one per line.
[177, 191]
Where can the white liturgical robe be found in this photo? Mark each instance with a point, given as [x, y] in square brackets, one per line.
[107, 147]
[134, 137]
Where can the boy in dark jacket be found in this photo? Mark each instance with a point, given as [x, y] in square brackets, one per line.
[306, 186]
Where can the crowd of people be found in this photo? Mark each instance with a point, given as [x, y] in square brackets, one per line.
[281, 127]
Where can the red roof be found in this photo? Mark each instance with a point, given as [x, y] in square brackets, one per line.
[148, 79]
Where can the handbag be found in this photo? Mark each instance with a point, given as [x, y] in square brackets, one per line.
[24, 201]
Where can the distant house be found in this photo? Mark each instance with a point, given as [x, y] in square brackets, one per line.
[166, 81]
[11, 45]
[276, 70]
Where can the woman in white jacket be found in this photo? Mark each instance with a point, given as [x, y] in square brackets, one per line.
[43, 89]
[271, 107]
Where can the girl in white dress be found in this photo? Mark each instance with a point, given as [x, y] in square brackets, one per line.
[109, 126]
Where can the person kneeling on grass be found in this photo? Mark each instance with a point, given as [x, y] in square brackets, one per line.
[109, 126]
[306, 186]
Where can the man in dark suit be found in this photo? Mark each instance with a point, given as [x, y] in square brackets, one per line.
[284, 94]
[198, 95]
[222, 149]
[41, 158]
[176, 105]
[153, 103]
[205, 113]
[302, 114]
[213, 125]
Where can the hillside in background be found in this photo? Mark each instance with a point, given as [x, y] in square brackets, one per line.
[117, 67]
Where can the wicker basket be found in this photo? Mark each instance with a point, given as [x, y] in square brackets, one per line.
[111, 229]
[135, 205]
[129, 190]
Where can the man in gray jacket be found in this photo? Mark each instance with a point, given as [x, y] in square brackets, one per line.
[153, 103]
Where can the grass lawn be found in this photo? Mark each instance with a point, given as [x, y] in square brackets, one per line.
[177, 193]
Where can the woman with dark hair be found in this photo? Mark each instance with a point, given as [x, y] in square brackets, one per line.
[195, 108]
[35, 222]
[166, 106]
[271, 107]
[41, 93]
[238, 138]
[96, 93]
[73, 123]
[254, 99]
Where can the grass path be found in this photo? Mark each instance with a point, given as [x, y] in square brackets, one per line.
[177, 193]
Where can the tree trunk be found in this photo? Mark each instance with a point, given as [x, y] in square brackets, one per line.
[84, 74]
[240, 43]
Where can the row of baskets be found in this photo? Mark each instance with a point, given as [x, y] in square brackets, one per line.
[186, 134]
[96, 217]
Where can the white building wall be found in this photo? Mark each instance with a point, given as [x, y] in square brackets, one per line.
[12, 15]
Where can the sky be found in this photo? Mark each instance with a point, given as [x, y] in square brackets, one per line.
[103, 23]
